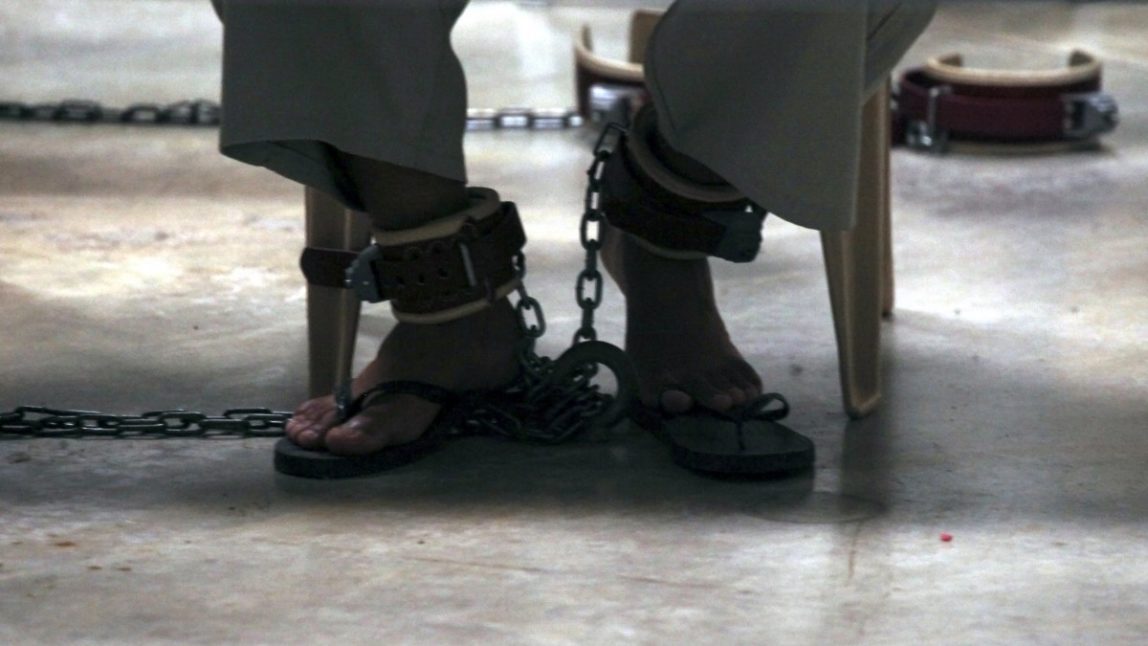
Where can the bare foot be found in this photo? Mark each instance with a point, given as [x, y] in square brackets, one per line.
[472, 353]
[674, 333]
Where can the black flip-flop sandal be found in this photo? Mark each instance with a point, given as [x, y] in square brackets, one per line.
[291, 459]
[747, 441]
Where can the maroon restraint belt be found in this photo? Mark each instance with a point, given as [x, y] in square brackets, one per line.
[945, 101]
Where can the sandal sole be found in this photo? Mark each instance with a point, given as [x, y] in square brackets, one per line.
[709, 444]
[293, 460]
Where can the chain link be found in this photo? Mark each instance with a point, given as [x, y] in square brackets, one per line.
[28, 422]
[543, 405]
[197, 112]
[202, 112]
[589, 233]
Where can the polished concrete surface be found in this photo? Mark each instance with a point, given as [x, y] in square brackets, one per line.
[139, 269]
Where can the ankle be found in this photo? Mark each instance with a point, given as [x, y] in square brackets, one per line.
[495, 317]
[398, 197]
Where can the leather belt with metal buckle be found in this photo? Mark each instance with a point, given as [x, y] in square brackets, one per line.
[945, 101]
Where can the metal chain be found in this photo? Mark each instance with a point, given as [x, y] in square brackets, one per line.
[542, 405]
[589, 233]
[553, 407]
[202, 112]
[28, 422]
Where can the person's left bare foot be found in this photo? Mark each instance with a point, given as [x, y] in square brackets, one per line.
[475, 353]
[675, 335]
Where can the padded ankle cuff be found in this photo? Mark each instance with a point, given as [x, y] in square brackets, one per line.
[444, 270]
[641, 154]
[454, 266]
[670, 215]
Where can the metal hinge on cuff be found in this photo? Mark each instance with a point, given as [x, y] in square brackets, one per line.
[361, 275]
[453, 270]
[1089, 115]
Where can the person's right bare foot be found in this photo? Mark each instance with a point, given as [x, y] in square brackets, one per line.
[473, 353]
[675, 335]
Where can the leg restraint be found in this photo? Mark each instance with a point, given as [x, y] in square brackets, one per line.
[670, 215]
[442, 271]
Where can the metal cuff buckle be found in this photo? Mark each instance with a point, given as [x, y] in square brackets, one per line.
[925, 135]
[1089, 115]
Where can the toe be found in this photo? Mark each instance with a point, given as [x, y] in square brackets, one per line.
[675, 401]
[358, 436]
[400, 420]
[749, 381]
[716, 392]
[720, 402]
[726, 383]
[751, 391]
[310, 437]
[310, 410]
[309, 433]
[707, 394]
[307, 423]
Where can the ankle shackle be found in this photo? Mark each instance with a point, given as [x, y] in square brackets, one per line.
[671, 215]
[444, 270]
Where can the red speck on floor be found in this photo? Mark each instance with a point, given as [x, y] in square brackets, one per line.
[65, 544]
[947, 538]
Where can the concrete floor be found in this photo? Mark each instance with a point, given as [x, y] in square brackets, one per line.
[139, 269]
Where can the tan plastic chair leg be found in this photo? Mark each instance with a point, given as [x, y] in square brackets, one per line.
[332, 314]
[889, 289]
[857, 267]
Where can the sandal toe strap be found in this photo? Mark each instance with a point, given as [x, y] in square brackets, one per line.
[760, 408]
[374, 396]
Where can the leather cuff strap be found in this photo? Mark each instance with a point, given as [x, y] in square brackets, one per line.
[326, 267]
[432, 279]
[674, 227]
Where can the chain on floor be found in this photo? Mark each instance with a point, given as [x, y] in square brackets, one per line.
[202, 112]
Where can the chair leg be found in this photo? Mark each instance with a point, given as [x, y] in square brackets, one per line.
[889, 288]
[332, 314]
[856, 264]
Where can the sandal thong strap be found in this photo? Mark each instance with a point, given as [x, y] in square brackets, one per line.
[348, 407]
[758, 409]
[748, 441]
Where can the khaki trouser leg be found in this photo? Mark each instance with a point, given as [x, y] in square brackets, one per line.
[768, 93]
